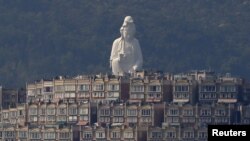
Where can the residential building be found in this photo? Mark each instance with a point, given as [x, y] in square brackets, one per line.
[8, 97]
[230, 89]
[184, 89]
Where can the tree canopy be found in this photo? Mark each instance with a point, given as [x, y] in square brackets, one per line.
[44, 38]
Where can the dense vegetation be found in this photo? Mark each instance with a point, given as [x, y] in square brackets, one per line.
[45, 38]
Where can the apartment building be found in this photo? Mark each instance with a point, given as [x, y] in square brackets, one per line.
[184, 89]
[197, 115]
[41, 133]
[150, 87]
[208, 91]
[81, 88]
[245, 114]
[8, 97]
[230, 89]
[130, 114]
[177, 133]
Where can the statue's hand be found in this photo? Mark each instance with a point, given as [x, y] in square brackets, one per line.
[135, 67]
[121, 55]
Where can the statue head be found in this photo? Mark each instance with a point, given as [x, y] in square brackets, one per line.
[128, 28]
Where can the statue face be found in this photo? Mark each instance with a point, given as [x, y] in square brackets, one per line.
[127, 32]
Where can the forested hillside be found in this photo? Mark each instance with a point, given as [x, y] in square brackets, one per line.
[45, 38]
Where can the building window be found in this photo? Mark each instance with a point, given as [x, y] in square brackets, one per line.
[181, 95]
[170, 134]
[137, 96]
[32, 111]
[51, 111]
[207, 95]
[137, 88]
[155, 134]
[35, 135]
[83, 87]
[61, 118]
[131, 112]
[220, 112]
[208, 88]
[115, 134]
[205, 112]
[188, 112]
[154, 88]
[48, 89]
[51, 118]
[59, 95]
[22, 134]
[31, 92]
[173, 112]
[39, 91]
[21, 112]
[228, 88]
[64, 135]
[205, 120]
[113, 94]
[105, 112]
[9, 134]
[72, 118]
[70, 87]
[118, 112]
[113, 87]
[202, 134]
[146, 112]
[59, 88]
[132, 119]
[87, 135]
[118, 119]
[188, 134]
[83, 111]
[104, 119]
[128, 134]
[49, 135]
[86, 117]
[154, 95]
[72, 111]
[61, 111]
[5, 115]
[181, 88]
[84, 95]
[98, 87]
[70, 95]
[100, 135]
[33, 118]
[98, 94]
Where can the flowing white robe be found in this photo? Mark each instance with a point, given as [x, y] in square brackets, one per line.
[126, 56]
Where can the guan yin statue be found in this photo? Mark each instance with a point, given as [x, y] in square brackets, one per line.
[126, 56]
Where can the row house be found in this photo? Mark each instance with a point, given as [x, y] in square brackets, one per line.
[245, 114]
[173, 133]
[184, 89]
[230, 89]
[14, 116]
[57, 113]
[130, 114]
[149, 87]
[81, 88]
[9, 98]
[246, 92]
[208, 91]
[108, 133]
[41, 133]
[198, 115]
[223, 89]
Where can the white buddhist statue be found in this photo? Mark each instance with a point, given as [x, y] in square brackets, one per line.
[126, 56]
